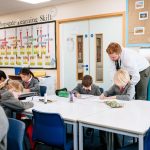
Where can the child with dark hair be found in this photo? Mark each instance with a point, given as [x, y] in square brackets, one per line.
[87, 87]
[3, 80]
[2, 76]
[29, 81]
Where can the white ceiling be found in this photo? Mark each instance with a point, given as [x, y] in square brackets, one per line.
[12, 6]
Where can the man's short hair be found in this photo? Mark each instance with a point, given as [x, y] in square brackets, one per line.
[114, 48]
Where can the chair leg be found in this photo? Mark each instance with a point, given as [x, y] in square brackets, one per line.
[102, 137]
[35, 146]
[72, 129]
[123, 138]
[25, 143]
[92, 136]
[83, 135]
[66, 127]
[134, 140]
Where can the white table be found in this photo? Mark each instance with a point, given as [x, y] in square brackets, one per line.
[132, 120]
[71, 112]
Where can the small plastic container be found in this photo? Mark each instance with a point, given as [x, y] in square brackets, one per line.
[71, 97]
[17, 70]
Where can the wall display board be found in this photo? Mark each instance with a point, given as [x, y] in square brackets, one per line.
[32, 46]
[137, 23]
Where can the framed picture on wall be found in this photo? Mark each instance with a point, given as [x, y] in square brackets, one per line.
[139, 30]
[143, 15]
[139, 4]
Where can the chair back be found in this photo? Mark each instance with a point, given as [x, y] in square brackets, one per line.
[49, 128]
[15, 134]
[43, 90]
[148, 91]
[147, 140]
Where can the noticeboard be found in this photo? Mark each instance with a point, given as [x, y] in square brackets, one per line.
[138, 23]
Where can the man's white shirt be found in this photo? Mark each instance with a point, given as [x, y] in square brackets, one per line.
[133, 62]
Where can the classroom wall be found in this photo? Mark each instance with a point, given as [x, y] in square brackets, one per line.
[72, 10]
[65, 11]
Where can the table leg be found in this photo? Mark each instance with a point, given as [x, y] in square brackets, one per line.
[141, 142]
[75, 136]
[110, 138]
[80, 136]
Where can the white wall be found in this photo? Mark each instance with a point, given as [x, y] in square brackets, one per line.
[90, 7]
[70, 10]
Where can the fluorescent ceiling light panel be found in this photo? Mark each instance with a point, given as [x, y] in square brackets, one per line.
[34, 1]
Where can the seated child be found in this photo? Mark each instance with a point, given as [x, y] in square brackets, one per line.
[122, 88]
[30, 83]
[87, 87]
[9, 100]
[9, 97]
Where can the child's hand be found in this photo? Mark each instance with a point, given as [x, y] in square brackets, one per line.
[26, 90]
[111, 97]
[102, 96]
[16, 94]
[77, 95]
[3, 84]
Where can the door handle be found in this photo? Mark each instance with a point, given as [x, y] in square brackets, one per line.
[85, 66]
[86, 35]
[92, 35]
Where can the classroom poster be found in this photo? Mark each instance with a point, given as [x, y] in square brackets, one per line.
[31, 45]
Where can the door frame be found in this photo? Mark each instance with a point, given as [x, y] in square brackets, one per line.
[58, 22]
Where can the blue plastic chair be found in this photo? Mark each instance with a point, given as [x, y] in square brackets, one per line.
[49, 128]
[43, 90]
[15, 134]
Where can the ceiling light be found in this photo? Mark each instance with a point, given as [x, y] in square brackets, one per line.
[34, 1]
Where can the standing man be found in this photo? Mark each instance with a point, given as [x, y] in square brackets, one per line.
[137, 66]
[3, 130]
